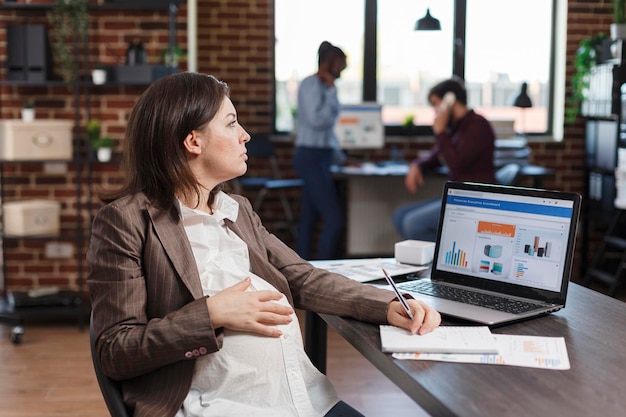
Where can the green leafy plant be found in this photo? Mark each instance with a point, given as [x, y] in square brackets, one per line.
[586, 58]
[171, 56]
[69, 21]
[409, 121]
[619, 14]
[94, 129]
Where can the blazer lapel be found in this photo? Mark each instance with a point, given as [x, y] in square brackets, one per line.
[171, 233]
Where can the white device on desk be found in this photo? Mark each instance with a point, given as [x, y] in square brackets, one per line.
[414, 252]
[502, 254]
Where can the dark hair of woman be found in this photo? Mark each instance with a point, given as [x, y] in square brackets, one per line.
[327, 51]
[154, 158]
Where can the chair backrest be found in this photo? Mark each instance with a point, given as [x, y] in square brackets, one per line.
[260, 146]
[110, 389]
[509, 174]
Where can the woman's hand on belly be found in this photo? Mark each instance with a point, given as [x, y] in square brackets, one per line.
[248, 311]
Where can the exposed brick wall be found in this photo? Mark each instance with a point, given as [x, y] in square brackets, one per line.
[110, 32]
[236, 45]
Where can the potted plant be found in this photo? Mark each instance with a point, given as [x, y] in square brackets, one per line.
[618, 27]
[408, 125]
[171, 56]
[99, 74]
[586, 57]
[103, 145]
[68, 21]
[28, 112]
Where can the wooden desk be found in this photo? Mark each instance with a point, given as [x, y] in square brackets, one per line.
[593, 327]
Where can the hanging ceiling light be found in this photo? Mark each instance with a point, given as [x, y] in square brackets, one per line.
[524, 102]
[428, 22]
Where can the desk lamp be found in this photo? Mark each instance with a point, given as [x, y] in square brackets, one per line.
[523, 102]
[427, 22]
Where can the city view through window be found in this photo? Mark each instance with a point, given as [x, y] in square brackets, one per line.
[507, 44]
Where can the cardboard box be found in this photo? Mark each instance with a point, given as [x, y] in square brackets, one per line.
[39, 140]
[31, 218]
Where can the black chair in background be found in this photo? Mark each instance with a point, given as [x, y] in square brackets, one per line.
[509, 174]
[260, 146]
[110, 389]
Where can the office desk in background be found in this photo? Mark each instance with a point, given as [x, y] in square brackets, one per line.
[593, 327]
[371, 193]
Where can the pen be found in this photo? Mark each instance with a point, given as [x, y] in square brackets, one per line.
[400, 297]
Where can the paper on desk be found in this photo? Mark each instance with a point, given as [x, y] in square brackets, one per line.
[444, 339]
[514, 350]
[364, 270]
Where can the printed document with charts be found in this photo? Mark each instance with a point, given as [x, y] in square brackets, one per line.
[444, 339]
[515, 350]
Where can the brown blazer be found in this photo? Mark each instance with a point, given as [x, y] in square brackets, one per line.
[150, 315]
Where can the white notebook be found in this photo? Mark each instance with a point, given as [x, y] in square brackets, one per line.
[444, 339]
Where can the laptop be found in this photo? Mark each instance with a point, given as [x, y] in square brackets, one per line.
[503, 254]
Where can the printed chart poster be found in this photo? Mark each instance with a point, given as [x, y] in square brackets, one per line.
[493, 249]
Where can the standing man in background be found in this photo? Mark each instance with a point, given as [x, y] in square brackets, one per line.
[317, 148]
[464, 141]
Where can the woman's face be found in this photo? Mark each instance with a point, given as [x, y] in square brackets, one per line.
[337, 65]
[225, 147]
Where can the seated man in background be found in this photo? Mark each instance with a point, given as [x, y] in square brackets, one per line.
[464, 141]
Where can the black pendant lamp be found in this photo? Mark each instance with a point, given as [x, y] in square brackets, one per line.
[428, 22]
[523, 99]
[524, 102]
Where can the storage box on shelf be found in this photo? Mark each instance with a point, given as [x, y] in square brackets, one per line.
[35, 141]
[31, 218]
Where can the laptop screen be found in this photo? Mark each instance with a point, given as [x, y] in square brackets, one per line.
[508, 239]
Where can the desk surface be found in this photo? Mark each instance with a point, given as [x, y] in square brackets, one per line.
[593, 327]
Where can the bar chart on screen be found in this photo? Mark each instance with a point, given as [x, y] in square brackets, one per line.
[456, 257]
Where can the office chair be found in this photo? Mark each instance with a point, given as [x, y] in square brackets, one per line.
[110, 389]
[260, 146]
[509, 174]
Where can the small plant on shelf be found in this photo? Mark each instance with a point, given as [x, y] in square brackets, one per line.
[102, 144]
[68, 21]
[28, 111]
[619, 11]
[171, 56]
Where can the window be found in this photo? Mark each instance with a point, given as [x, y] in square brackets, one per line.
[300, 27]
[500, 53]
[504, 53]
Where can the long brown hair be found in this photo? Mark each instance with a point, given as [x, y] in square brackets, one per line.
[154, 157]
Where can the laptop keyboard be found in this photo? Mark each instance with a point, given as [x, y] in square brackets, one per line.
[468, 297]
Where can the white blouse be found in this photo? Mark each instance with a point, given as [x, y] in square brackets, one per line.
[251, 375]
